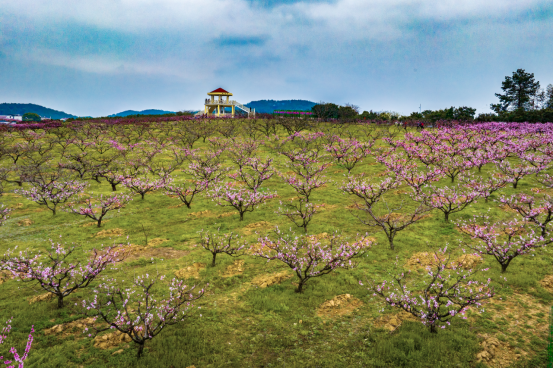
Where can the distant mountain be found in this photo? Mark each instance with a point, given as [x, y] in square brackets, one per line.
[143, 112]
[20, 109]
[268, 106]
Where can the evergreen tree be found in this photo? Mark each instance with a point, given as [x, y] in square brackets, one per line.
[31, 117]
[549, 97]
[518, 92]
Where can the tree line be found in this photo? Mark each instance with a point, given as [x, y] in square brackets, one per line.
[523, 100]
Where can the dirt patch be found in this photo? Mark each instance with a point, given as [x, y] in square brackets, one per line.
[395, 216]
[94, 223]
[228, 214]
[392, 322]
[5, 276]
[508, 209]
[497, 354]
[198, 214]
[328, 207]
[192, 271]
[137, 251]
[156, 241]
[19, 205]
[402, 192]
[251, 228]
[267, 280]
[318, 237]
[44, 297]
[176, 206]
[164, 253]
[421, 260]
[69, 328]
[353, 206]
[338, 306]
[547, 283]
[469, 261]
[111, 340]
[519, 315]
[257, 247]
[115, 232]
[235, 269]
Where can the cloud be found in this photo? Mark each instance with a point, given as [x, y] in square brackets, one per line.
[240, 40]
[359, 51]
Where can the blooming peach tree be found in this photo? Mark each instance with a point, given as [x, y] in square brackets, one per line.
[242, 199]
[55, 274]
[447, 290]
[216, 243]
[311, 257]
[16, 357]
[4, 214]
[51, 194]
[502, 240]
[104, 205]
[143, 310]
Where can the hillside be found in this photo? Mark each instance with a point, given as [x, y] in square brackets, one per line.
[268, 106]
[20, 109]
[143, 112]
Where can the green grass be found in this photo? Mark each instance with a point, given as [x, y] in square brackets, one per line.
[243, 326]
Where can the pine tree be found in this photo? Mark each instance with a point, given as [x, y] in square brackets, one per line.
[549, 97]
[518, 91]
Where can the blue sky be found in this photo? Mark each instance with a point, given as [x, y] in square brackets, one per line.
[104, 56]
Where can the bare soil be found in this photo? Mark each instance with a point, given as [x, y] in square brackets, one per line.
[192, 271]
[338, 306]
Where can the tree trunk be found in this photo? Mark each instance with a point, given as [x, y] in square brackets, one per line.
[504, 267]
[142, 196]
[113, 187]
[99, 223]
[140, 350]
[299, 289]
[391, 239]
[241, 216]
[213, 261]
[60, 302]
[433, 329]
[515, 183]
[446, 217]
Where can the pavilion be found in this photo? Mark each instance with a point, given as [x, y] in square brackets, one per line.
[219, 99]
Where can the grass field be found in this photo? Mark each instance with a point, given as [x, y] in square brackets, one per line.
[245, 325]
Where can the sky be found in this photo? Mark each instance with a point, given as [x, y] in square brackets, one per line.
[95, 58]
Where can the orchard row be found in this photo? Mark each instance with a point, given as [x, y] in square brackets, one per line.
[51, 168]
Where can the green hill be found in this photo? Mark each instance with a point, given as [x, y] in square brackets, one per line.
[143, 112]
[268, 106]
[20, 109]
